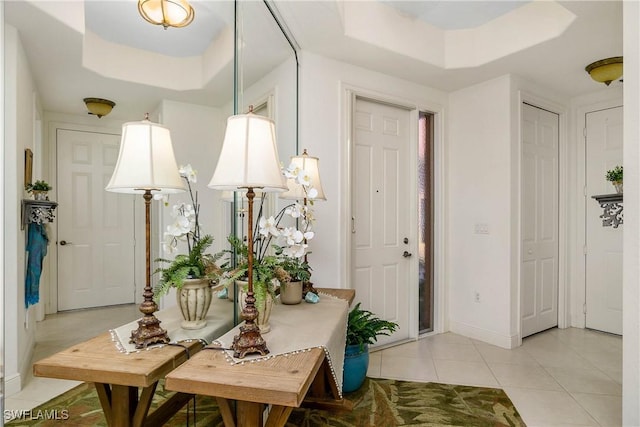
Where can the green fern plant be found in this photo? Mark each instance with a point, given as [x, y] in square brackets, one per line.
[39, 185]
[615, 174]
[197, 264]
[363, 327]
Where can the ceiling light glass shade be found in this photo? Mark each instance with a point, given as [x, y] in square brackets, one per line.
[146, 161]
[98, 106]
[249, 156]
[310, 165]
[606, 70]
[168, 13]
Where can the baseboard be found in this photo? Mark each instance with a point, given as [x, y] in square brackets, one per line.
[484, 335]
[12, 385]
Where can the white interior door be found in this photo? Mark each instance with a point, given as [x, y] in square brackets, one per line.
[95, 227]
[381, 214]
[539, 268]
[604, 244]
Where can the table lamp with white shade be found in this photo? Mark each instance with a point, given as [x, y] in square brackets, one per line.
[146, 165]
[249, 160]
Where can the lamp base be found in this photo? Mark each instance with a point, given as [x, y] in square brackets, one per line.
[249, 341]
[149, 332]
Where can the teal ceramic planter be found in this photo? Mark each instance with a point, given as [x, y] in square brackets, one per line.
[356, 363]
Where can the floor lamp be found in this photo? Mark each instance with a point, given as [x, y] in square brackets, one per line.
[249, 160]
[146, 165]
[297, 191]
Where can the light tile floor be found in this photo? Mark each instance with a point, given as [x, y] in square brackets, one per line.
[561, 377]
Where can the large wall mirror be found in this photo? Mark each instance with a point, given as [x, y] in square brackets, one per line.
[233, 55]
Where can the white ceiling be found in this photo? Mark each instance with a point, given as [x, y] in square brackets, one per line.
[54, 49]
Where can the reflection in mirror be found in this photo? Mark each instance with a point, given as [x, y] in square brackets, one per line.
[74, 50]
[266, 78]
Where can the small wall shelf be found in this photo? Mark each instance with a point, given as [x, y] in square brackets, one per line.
[612, 205]
[37, 211]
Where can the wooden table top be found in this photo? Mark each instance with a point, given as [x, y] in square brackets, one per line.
[279, 380]
[98, 360]
[282, 380]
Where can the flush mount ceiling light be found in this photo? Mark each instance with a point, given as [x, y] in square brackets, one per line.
[168, 13]
[98, 106]
[606, 70]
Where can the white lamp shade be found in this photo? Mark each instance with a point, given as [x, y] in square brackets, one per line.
[249, 156]
[310, 165]
[146, 161]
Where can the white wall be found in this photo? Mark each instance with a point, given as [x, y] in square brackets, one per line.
[323, 84]
[631, 244]
[19, 134]
[196, 133]
[479, 181]
[2, 203]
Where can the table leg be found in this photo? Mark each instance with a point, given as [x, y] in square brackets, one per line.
[249, 414]
[228, 418]
[278, 416]
[121, 406]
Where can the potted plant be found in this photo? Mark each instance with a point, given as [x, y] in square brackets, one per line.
[191, 274]
[615, 176]
[39, 189]
[298, 272]
[363, 328]
[266, 270]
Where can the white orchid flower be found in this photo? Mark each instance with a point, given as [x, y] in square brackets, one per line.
[295, 251]
[268, 226]
[291, 171]
[295, 211]
[188, 211]
[189, 173]
[312, 193]
[303, 178]
[292, 235]
[169, 244]
[309, 235]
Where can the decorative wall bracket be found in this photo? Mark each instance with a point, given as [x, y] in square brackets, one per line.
[37, 211]
[612, 205]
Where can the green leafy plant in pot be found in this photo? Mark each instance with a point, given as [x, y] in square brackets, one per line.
[363, 328]
[39, 189]
[615, 177]
[191, 274]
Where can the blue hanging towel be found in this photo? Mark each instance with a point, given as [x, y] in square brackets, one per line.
[37, 242]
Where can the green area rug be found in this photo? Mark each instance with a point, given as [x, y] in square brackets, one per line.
[378, 403]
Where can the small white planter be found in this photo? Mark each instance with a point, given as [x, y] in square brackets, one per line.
[194, 300]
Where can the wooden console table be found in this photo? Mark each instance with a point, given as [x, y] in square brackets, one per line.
[120, 377]
[281, 381]
[126, 382]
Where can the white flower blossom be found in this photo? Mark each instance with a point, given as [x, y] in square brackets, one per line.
[312, 193]
[303, 178]
[188, 172]
[268, 226]
[296, 210]
[291, 171]
[292, 235]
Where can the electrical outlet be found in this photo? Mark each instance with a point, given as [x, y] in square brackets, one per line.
[476, 296]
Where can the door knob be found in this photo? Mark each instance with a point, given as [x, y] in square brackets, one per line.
[64, 242]
[406, 254]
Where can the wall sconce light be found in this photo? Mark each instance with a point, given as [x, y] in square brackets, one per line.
[98, 106]
[606, 70]
[168, 13]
